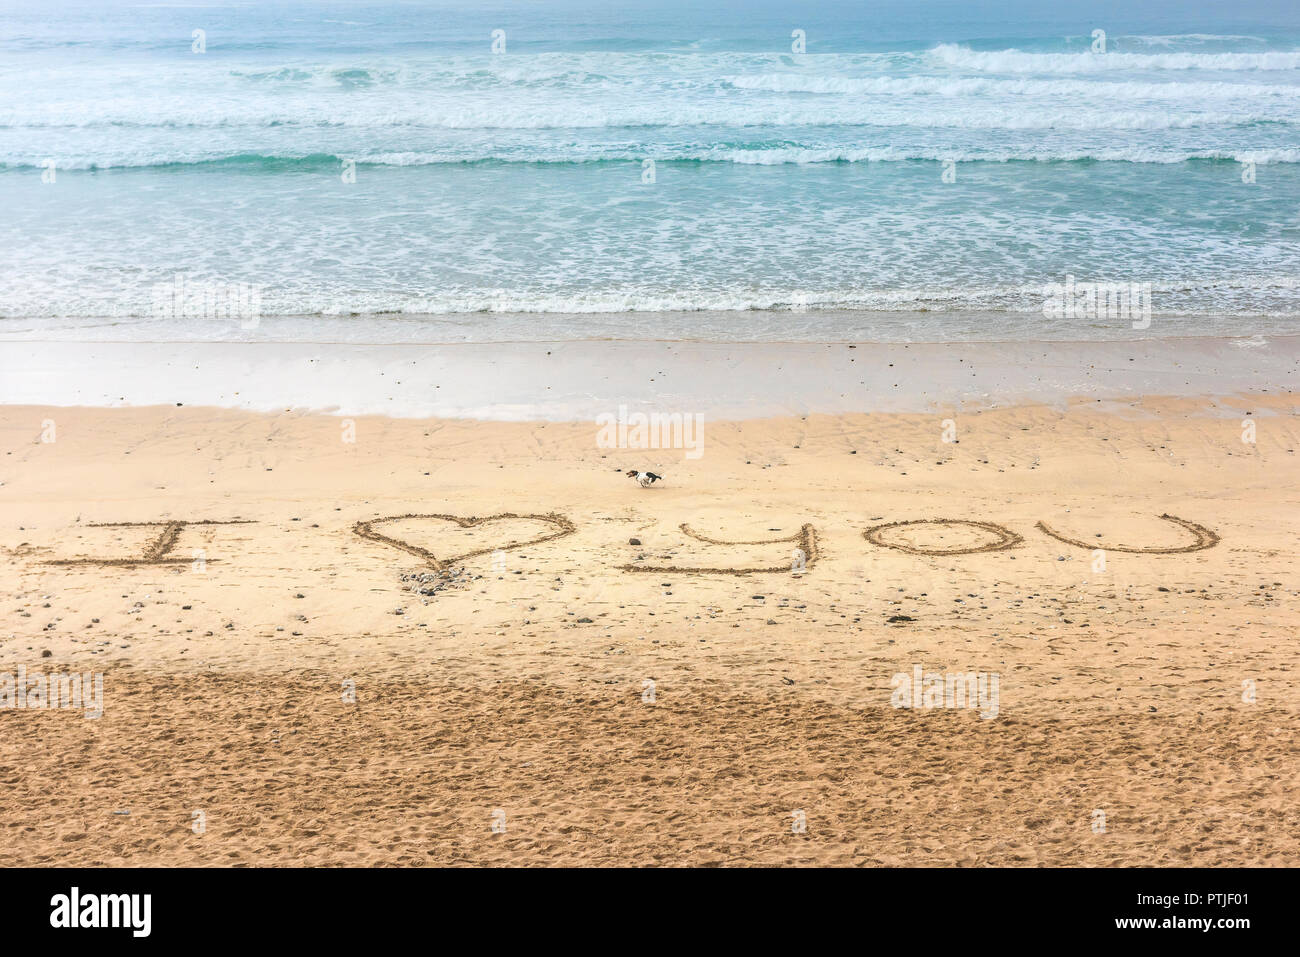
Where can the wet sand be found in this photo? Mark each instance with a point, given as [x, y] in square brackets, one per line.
[568, 381]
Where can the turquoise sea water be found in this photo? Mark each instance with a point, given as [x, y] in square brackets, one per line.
[919, 172]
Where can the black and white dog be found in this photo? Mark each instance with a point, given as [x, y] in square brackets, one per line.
[646, 479]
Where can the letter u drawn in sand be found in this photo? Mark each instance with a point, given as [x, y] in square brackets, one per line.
[1204, 539]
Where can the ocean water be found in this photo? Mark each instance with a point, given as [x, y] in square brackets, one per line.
[374, 171]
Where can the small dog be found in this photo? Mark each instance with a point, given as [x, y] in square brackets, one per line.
[646, 479]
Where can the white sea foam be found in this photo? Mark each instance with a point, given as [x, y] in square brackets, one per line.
[1018, 61]
[1171, 298]
[1178, 89]
[1171, 39]
[758, 156]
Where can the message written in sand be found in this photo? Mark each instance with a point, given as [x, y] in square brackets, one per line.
[1005, 538]
[158, 550]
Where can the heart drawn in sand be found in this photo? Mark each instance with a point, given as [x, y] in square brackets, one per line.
[367, 530]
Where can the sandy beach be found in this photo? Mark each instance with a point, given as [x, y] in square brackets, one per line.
[420, 639]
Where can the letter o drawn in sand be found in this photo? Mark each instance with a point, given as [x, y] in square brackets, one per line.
[367, 530]
[1006, 538]
[1204, 539]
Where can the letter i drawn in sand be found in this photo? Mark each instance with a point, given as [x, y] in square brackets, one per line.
[157, 551]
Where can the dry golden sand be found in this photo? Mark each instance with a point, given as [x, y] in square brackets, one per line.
[520, 688]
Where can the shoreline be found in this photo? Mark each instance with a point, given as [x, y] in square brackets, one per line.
[579, 380]
[644, 340]
[778, 325]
